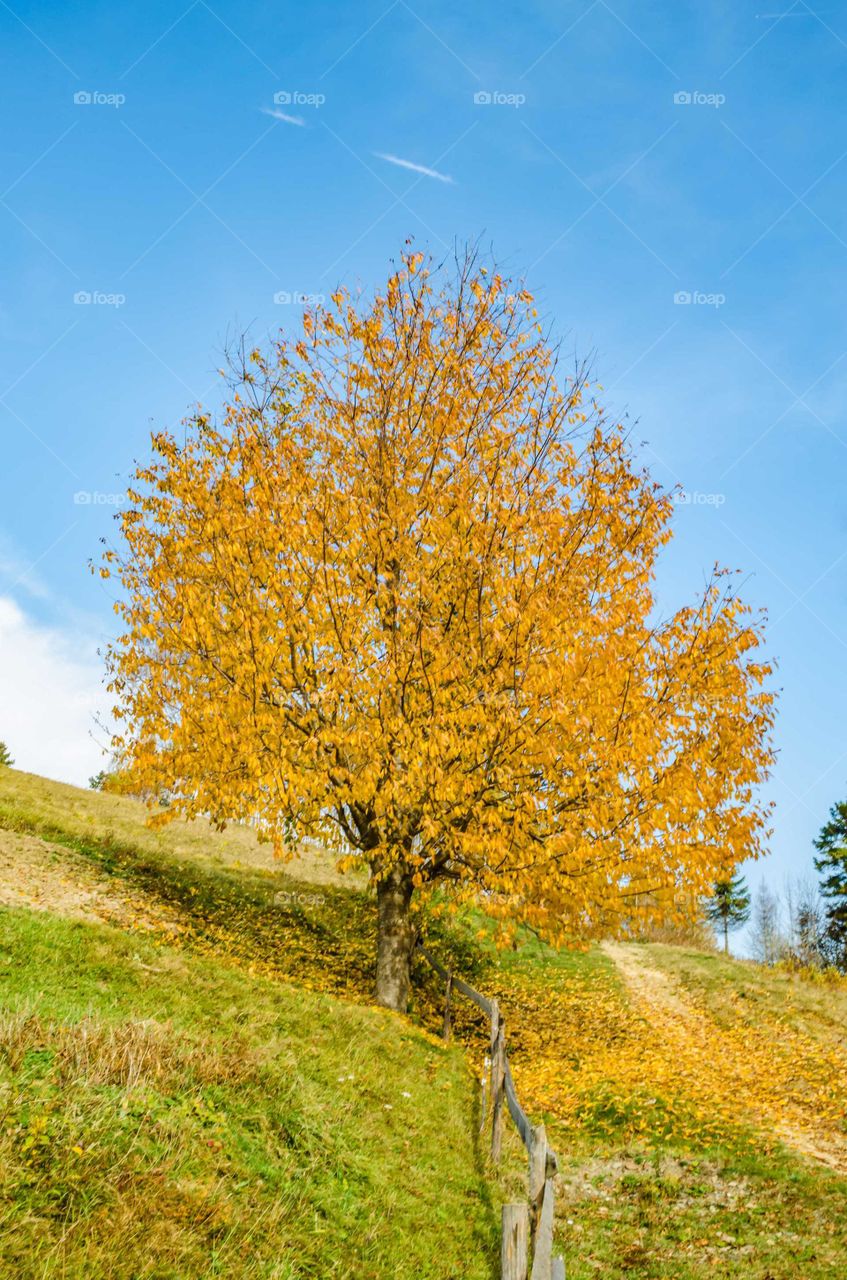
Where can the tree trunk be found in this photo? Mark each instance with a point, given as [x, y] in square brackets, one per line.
[726, 937]
[395, 938]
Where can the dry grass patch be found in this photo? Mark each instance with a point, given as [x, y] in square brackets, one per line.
[86, 814]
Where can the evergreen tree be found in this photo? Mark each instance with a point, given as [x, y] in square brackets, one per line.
[831, 844]
[5, 758]
[729, 906]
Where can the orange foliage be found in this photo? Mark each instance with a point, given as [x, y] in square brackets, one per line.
[400, 597]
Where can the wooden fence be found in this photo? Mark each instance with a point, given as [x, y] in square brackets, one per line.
[526, 1247]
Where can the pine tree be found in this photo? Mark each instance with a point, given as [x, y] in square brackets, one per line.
[831, 844]
[729, 906]
[5, 758]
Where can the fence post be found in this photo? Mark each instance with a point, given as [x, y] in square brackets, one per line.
[537, 1171]
[527, 1228]
[445, 1030]
[542, 1253]
[498, 1080]
[514, 1247]
[492, 1054]
[483, 1109]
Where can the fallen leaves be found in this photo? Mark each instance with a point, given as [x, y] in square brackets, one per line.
[648, 1061]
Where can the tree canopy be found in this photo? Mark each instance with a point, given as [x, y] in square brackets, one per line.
[399, 595]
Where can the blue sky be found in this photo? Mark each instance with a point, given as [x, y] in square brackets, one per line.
[623, 156]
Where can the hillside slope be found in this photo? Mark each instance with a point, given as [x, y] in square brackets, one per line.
[754, 1042]
[169, 1113]
[697, 1103]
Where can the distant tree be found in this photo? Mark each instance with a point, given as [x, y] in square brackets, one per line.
[807, 924]
[729, 906]
[809, 943]
[5, 758]
[831, 844]
[767, 938]
[121, 781]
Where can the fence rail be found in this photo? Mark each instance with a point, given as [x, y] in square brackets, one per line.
[526, 1242]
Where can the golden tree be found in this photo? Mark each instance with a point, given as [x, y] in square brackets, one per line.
[400, 596]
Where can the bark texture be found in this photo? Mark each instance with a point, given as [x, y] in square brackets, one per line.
[395, 938]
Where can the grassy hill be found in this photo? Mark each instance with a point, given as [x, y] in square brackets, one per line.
[169, 1113]
[698, 1105]
[191, 1064]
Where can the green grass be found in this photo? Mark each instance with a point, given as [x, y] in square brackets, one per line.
[230, 898]
[180, 1106]
[165, 1116]
[676, 1204]
[815, 1004]
[221, 1122]
[674, 1213]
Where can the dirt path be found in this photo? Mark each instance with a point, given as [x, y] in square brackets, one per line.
[47, 877]
[772, 1077]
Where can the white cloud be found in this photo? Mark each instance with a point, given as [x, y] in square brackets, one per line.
[21, 572]
[281, 115]
[415, 168]
[51, 694]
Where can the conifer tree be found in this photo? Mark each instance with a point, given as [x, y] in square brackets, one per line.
[729, 906]
[831, 865]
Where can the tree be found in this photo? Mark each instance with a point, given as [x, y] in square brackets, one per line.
[398, 596]
[117, 781]
[5, 758]
[831, 844]
[806, 941]
[766, 933]
[729, 906]
[809, 943]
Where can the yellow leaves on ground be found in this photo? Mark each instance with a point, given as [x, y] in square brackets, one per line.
[648, 1060]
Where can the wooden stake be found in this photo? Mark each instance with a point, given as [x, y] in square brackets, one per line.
[537, 1172]
[542, 1253]
[514, 1248]
[498, 1090]
[483, 1110]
